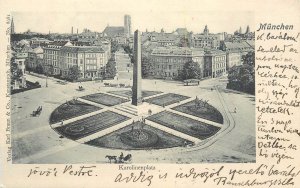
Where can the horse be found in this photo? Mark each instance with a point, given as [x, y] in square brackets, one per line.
[111, 158]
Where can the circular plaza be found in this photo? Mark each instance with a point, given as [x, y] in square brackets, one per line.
[163, 120]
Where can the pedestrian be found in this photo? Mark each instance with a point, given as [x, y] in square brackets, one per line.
[235, 110]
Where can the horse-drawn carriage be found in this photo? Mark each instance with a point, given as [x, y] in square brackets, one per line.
[37, 112]
[119, 159]
[80, 88]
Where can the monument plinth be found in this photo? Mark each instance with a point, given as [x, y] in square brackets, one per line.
[137, 70]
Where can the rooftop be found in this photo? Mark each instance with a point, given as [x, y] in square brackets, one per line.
[178, 51]
[113, 30]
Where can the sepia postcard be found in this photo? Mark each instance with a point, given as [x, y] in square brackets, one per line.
[150, 93]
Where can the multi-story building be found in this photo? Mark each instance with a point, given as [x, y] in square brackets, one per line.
[167, 40]
[235, 50]
[166, 62]
[35, 57]
[241, 46]
[20, 60]
[87, 36]
[206, 40]
[36, 41]
[233, 59]
[214, 63]
[51, 56]
[90, 60]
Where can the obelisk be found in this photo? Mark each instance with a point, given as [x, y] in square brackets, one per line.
[137, 70]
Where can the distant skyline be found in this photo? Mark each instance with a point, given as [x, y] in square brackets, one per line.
[62, 22]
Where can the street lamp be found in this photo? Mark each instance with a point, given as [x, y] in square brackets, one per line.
[47, 69]
[47, 80]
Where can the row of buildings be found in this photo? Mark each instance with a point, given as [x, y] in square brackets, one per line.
[56, 58]
[167, 62]
[215, 53]
[167, 52]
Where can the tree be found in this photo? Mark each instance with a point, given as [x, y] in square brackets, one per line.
[16, 73]
[191, 70]
[242, 78]
[39, 69]
[73, 73]
[49, 70]
[146, 66]
[114, 46]
[249, 59]
[110, 69]
[128, 50]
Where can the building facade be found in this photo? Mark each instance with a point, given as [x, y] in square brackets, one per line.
[35, 57]
[205, 40]
[90, 60]
[166, 62]
[233, 59]
[214, 64]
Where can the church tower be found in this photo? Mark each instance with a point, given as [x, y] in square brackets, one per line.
[205, 31]
[12, 26]
[127, 25]
[247, 29]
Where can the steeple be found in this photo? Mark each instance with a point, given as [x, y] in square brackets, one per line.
[247, 29]
[205, 31]
[12, 26]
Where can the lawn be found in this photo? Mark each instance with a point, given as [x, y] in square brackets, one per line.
[204, 110]
[105, 99]
[90, 125]
[152, 139]
[71, 109]
[128, 93]
[184, 124]
[167, 99]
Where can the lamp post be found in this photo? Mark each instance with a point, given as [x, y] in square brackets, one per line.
[46, 71]
[46, 79]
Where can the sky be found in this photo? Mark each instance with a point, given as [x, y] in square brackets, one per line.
[61, 22]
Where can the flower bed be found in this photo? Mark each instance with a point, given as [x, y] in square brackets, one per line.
[71, 109]
[155, 139]
[167, 99]
[90, 125]
[202, 110]
[184, 124]
[105, 99]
